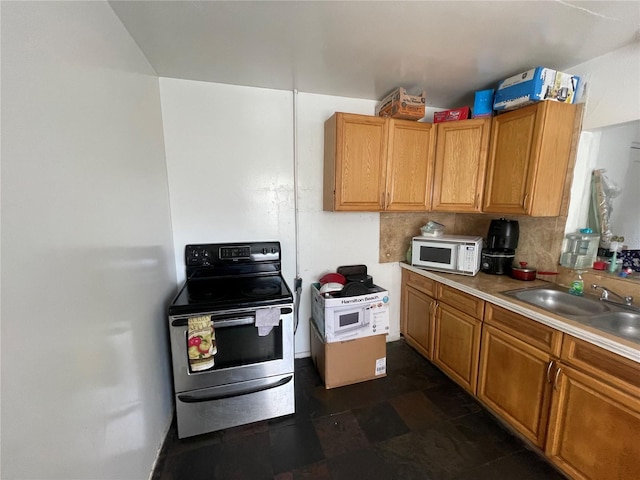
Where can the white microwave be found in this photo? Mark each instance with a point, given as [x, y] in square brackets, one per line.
[448, 253]
[350, 318]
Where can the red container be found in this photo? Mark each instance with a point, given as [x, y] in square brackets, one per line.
[461, 113]
[523, 272]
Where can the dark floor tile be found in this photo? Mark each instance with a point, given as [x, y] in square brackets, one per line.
[294, 446]
[361, 464]
[524, 465]
[441, 450]
[416, 411]
[316, 471]
[487, 434]
[339, 434]
[224, 461]
[380, 422]
[452, 399]
[350, 397]
[413, 424]
[412, 457]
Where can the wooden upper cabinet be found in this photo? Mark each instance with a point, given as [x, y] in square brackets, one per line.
[374, 164]
[528, 159]
[460, 164]
[409, 164]
[355, 162]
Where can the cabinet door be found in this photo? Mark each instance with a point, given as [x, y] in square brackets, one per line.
[417, 319]
[593, 429]
[409, 165]
[514, 381]
[355, 162]
[529, 157]
[510, 167]
[460, 165]
[457, 345]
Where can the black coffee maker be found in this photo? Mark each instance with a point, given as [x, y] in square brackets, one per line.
[502, 241]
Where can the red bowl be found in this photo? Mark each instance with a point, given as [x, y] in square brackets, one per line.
[333, 278]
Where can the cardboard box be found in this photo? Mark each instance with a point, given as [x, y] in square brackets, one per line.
[399, 104]
[535, 85]
[483, 103]
[345, 318]
[348, 362]
[453, 115]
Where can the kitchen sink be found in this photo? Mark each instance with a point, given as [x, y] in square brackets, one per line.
[588, 310]
[560, 302]
[623, 324]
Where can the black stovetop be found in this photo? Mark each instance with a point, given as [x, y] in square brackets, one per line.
[231, 276]
[225, 293]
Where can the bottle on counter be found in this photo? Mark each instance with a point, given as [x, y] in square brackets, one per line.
[577, 284]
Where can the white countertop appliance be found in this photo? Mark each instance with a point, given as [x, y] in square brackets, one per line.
[447, 253]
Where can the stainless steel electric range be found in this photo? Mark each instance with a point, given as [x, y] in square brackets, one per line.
[252, 375]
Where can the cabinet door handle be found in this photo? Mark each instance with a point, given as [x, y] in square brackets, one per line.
[549, 371]
[524, 203]
[388, 199]
[555, 380]
[382, 200]
[475, 202]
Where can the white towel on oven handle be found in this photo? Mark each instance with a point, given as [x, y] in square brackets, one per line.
[266, 319]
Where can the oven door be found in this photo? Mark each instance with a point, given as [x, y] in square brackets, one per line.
[242, 354]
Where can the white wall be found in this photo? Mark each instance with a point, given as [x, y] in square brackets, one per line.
[613, 90]
[621, 165]
[87, 256]
[231, 177]
[331, 239]
[613, 97]
[230, 161]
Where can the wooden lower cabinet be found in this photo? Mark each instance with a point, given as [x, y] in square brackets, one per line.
[594, 429]
[579, 403]
[514, 381]
[416, 311]
[457, 345]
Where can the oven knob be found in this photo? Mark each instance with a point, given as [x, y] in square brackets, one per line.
[273, 250]
[264, 251]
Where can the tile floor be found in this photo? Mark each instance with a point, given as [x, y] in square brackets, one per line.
[414, 423]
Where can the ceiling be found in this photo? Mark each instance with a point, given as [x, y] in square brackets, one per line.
[364, 49]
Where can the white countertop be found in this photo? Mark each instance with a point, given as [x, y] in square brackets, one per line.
[490, 288]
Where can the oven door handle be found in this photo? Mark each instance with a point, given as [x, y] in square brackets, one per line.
[227, 321]
[229, 393]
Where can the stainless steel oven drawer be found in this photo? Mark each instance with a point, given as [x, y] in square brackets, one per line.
[216, 408]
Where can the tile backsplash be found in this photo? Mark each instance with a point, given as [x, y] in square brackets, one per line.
[539, 244]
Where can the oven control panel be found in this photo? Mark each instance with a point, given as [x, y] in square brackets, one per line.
[208, 255]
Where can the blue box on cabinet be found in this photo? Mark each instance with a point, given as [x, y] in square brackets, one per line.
[535, 85]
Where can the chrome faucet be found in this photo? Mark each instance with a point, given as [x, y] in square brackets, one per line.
[628, 300]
